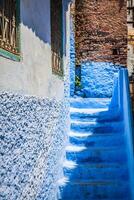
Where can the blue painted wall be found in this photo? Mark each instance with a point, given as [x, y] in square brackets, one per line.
[33, 129]
[32, 138]
[97, 78]
[72, 58]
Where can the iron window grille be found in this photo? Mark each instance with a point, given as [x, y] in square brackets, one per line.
[57, 37]
[9, 28]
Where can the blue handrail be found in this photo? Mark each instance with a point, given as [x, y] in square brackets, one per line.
[126, 109]
[122, 104]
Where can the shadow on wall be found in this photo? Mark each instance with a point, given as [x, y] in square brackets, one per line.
[36, 16]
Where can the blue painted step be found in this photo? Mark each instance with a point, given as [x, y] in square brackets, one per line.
[96, 127]
[95, 172]
[94, 140]
[96, 155]
[89, 102]
[87, 113]
[100, 115]
[114, 190]
[96, 166]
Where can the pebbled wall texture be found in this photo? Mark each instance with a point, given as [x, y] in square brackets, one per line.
[32, 138]
[34, 110]
[97, 79]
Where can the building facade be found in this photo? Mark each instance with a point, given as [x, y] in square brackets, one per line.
[40, 47]
[33, 96]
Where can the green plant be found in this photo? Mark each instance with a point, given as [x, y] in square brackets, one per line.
[77, 81]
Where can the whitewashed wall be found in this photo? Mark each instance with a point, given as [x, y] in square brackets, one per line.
[33, 128]
[33, 74]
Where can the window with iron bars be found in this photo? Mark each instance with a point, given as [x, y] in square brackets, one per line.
[57, 37]
[9, 29]
[130, 8]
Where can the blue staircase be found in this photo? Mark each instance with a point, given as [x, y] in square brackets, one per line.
[97, 162]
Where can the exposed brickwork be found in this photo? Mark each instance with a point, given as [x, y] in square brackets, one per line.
[101, 30]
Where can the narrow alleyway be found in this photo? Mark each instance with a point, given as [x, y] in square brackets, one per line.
[65, 112]
[96, 164]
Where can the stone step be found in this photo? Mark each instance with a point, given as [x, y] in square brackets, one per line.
[90, 102]
[92, 134]
[96, 127]
[94, 172]
[94, 115]
[82, 113]
[108, 190]
[82, 154]
[94, 140]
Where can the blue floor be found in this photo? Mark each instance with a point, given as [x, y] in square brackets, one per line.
[95, 167]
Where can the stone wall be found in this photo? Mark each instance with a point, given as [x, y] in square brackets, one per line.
[101, 31]
[32, 137]
[97, 79]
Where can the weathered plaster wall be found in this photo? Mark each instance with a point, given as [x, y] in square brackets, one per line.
[72, 52]
[33, 75]
[101, 31]
[32, 137]
[97, 79]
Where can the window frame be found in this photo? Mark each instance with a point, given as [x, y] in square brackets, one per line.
[7, 54]
[58, 73]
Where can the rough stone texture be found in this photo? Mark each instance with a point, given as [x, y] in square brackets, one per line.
[97, 79]
[101, 31]
[32, 139]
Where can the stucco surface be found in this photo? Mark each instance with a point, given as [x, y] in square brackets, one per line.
[97, 78]
[33, 74]
[32, 138]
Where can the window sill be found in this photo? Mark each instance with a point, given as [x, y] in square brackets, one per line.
[9, 55]
[59, 75]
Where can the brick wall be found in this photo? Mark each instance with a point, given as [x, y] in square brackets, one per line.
[101, 31]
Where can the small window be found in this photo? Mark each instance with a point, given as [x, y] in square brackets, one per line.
[116, 51]
[9, 29]
[57, 37]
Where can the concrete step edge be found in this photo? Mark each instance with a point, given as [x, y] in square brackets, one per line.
[95, 183]
[96, 123]
[87, 110]
[70, 164]
[90, 134]
[76, 148]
